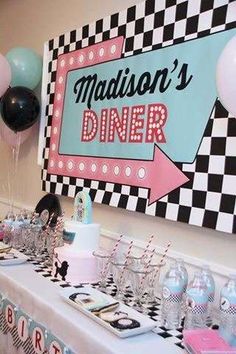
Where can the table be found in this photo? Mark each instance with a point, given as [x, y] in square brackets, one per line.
[40, 298]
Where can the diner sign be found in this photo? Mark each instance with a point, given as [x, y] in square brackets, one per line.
[129, 101]
[27, 332]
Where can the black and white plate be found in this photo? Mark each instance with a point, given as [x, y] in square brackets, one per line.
[47, 206]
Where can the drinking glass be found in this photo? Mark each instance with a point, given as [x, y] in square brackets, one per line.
[53, 240]
[120, 277]
[139, 280]
[40, 243]
[135, 260]
[153, 285]
[103, 264]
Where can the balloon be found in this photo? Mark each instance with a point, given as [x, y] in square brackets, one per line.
[19, 108]
[13, 139]
[226, 76]
[5, 74]
[26, 67]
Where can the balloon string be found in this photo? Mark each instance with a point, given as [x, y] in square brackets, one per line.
[15, 156]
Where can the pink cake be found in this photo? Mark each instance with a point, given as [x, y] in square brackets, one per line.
[74, 261]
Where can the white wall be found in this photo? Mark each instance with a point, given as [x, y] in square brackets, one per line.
[30, 23]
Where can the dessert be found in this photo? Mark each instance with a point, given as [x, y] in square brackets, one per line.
[125, 323]
[74, 261]
[113, 316]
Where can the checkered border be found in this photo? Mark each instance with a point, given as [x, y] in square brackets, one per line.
[208, 199]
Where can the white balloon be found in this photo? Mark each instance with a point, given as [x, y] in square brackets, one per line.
[226, 76]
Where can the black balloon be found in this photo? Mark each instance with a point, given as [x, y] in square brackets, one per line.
[19, 108]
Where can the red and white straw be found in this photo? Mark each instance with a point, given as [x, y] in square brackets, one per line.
[34, 217]
[147, 265]
[112, 254]
[148, 245]
[162, 260]
[126, 259]
[116, 246]
[49, 223]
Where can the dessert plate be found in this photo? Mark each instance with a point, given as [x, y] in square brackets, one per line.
[12, 257]
[4, 248]
[146, 324]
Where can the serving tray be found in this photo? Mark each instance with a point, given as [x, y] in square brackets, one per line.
[146, 324]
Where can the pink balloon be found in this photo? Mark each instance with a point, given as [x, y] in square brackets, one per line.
[226, 76]
[5, 75]
[10, 137]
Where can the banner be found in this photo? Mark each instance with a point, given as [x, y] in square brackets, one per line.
[26, 332]
[133, 114]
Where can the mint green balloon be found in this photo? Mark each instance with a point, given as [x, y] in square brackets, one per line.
[26, 67]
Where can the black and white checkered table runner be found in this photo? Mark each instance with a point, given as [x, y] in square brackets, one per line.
[172, 336]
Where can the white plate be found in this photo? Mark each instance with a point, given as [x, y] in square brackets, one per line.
[19, 258]
[4, 248]
[146, 324]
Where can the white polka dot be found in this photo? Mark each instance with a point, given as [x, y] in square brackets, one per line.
[128, 171]
[60, 80]
[163, 116]
[161, 122]
[63, 63]
[71, 61]
[117, 170]
[55, 130]
[81, 166]
[53, 147]
[70, 165]
[156, 108]
[104, 168]
[81, 58]
[60, 164]
[159, 108]
[113, 49]
[149, 137]
[160, 137]
[101, 52]
[162, 111]
[159, 131]
[141, 172]
[91, 55]
[51, 163]
[150, 131]
[93, 167]
[58, 96]
[57, 113]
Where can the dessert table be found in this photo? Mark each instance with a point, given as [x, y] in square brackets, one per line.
[40, 299]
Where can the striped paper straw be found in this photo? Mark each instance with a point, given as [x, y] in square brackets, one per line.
[162, 260]
[147, 266]
[126, 259]
[59, 223]
[112, 253]
[34, 217]
[49, 222]
[148, 245]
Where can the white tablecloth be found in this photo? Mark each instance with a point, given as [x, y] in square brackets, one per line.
[40, 299]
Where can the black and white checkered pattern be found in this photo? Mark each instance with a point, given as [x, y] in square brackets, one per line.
[208, 199]
[231, 310]
[153, 311]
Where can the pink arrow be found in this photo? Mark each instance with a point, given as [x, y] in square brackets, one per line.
[160, 175]
[164, 176]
